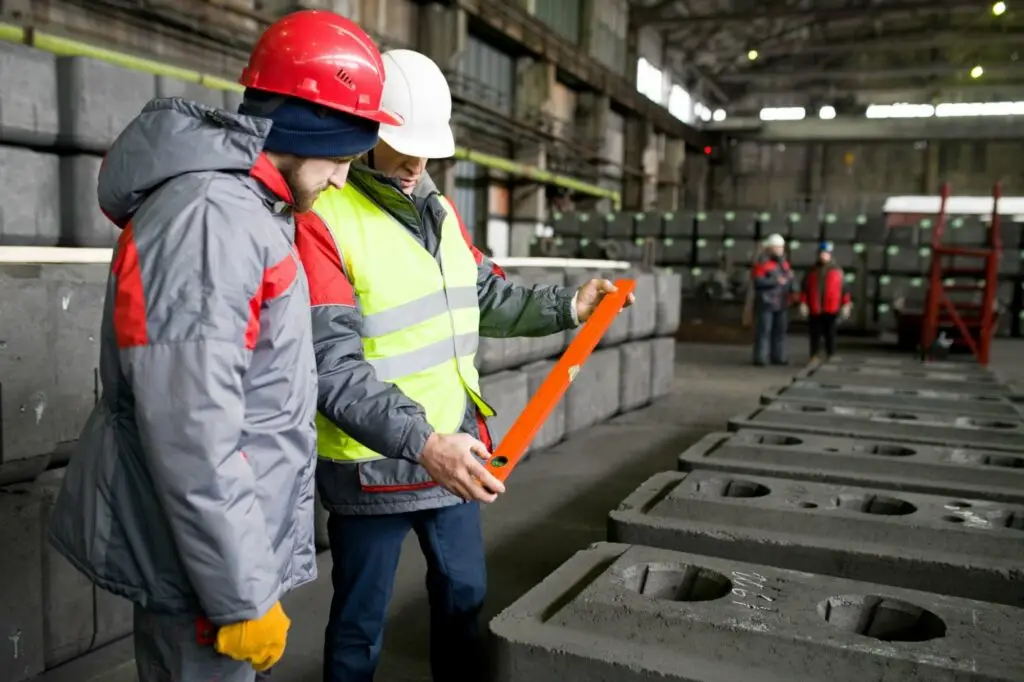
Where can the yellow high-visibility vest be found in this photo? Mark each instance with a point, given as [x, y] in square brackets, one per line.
[421, 321]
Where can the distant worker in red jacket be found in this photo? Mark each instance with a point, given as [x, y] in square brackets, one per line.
[824, 300]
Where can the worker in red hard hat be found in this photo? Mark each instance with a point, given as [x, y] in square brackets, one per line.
[191, 491]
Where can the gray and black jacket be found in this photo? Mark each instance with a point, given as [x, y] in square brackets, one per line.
[376, 412]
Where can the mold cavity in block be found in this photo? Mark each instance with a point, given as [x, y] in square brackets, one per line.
[899, 416]
[811, 408]
[952, 518]
[884, 450]
[829, 387]
[1014, 520]
[676, 582]
[874, 504]
[882, 618]
[807, 505]
[776, 439]
[986, 398]
[733, 487]
[958, 504]
[991, 424]
[1006, 461]
[905, 392]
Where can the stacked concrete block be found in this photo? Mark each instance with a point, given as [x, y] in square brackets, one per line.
[195, 92]
[668, 286]
[77, 616]
[993, 406]
[593, 395]
[637, 375]
[663, 363]
[553, 430]
[21, 576]
[643, 320]
[82, 221]
[31, 183]
[507, 393]
[615, 612]
[905, 379]
[49, 350]
[900, 424]
[97, 100]
[912, 467]
[28, 87]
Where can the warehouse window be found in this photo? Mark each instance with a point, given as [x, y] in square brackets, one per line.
[649, 81]
[680, 104]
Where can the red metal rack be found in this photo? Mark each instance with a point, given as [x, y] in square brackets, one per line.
[974, 321]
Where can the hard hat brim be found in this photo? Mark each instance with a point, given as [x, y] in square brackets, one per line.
[434, 143]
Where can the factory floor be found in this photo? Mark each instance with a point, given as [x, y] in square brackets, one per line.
[556, 504]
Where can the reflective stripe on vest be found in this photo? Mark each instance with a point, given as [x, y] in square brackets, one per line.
[420, 320]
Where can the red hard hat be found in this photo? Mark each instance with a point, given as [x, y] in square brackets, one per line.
[320, 57]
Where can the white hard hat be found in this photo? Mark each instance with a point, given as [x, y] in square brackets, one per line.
[415, 89]
[772, 240]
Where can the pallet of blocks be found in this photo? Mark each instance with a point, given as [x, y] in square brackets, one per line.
[878, 534]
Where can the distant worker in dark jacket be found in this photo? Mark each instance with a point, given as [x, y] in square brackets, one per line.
[190, 492]
[773, 284]
[824, 300]
[400, 298]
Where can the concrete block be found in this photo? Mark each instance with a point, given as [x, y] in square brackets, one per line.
[669, 300]
[31, 187]
[960, 547]
[28, 81]
[82, 221]
[232, 100]
[553, 430]
[172, 87]
[539, 347]
[663, 365]
[507, 393]
[27, 380]
[97, 100]
[618, 332]
[901, 425]
[593, 395]
[490, 355]
[911, 364]
[929, 469]
[636, 375]
[68, 596]
[78, 315]
[21, 577]
[634, 614]
[643, 319]
[992, 406]
[863, 375]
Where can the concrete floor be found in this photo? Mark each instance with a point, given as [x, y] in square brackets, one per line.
[556, 504]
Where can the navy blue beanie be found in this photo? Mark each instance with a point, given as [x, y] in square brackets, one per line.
[308, 130]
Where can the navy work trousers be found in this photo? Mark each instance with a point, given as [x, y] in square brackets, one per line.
[366, 549]
[770, 328]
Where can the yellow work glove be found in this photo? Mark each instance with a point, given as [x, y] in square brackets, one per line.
[261, 642]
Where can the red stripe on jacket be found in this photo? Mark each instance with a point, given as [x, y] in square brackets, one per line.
[129, 298]
[276, 280]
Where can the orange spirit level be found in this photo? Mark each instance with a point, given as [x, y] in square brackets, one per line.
[528, 423]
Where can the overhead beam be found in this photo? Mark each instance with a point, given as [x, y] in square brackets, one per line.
[856, 129]
[899, 42]
[1009, 70]
[981, 90]
[659, 17]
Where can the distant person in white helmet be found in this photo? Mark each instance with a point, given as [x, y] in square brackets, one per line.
[400, 296]
[773, 286]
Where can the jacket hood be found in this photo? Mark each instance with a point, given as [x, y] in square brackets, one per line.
[172, 137]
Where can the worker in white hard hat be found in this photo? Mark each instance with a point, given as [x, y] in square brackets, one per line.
[773, 286]
[400, 297]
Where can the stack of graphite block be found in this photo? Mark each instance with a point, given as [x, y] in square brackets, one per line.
[866, 522]
[703, 245]
[58, 117]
